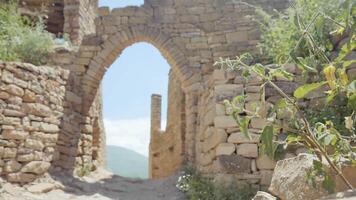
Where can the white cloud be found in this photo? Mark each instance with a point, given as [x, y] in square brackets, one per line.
[133, 134]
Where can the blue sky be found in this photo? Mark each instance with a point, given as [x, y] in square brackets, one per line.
[137, 73]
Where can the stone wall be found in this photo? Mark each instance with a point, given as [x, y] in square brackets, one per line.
[223, 150]
[79, 18]
[53, 9]
[32, 103]
[191, 35]
[167, 146]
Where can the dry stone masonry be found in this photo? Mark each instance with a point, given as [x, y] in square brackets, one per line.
[31, 111]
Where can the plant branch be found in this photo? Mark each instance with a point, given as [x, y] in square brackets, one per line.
[310, 134]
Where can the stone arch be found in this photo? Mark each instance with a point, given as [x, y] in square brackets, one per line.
[116, 43]
[96, 55]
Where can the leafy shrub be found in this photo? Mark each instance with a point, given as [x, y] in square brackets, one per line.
[280, 35]
[84, 170]
[21, 40]
[198, 187]
[302, 36]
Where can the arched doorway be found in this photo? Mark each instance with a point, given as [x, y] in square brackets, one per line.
[127, 86]
[168, 146]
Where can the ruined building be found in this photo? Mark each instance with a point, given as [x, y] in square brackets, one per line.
[53, 115]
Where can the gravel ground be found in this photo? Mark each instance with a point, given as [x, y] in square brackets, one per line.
[100, 185]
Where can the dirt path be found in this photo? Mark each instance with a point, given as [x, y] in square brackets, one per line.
[99, 186]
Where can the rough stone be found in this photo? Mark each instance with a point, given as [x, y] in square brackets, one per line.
[266, 177]
[41, 188]
[240, 138]
[14, 135]
[34, 144]
[233, 164]
[14, 90]
[263, 196]
[292, 173]
[225, 149]
[247, 150]
[49, 128]
[36, 167]
[21, 177]
[258, 123]
[224, 122]
[37, 109]
[264, 162]
[215, 139]
[12, 166]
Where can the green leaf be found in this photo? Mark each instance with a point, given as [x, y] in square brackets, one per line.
[301, 64]
[351, 88]
[259, 69]
[246, 74]
[268, 146]
[318, 167]
[331, 96]
[291, 139]
[345, 50]
[328, 184]
[330, 139]
[243, 123]
[281, 73]
[352, 102]
[302, 91]
[346, 64]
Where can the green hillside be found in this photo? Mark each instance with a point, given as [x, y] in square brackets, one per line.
[127, 163]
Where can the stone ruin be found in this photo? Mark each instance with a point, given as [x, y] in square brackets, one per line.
[51, 117]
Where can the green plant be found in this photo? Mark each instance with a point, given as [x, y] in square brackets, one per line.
[21, 40]
[322, 139]
[313, 19]
[302, 36]
[84, 170]
[198, 187]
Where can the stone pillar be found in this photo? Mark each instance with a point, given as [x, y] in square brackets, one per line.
[156, 107]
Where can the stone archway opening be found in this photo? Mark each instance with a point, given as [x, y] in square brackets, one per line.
[166, 149]
[127, 86]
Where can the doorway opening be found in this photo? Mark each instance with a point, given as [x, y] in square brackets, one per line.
[139, 72]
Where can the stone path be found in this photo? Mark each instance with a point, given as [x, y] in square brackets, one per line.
[100, 186]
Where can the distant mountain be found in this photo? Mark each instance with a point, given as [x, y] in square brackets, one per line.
[127, 163]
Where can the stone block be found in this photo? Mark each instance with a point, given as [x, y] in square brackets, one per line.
[240, 138]
[263, 196]
[37, 109]
[258, 123]
[14, 134]
[229, 90]
[20, 177]
[36, 167]
[215, 139]
[12, 166]
[41, 188]
[224, 122]
[10, 153]
[239, 36]
[266, 177]
[264, 162]
[233, 164]
[14, 90]
[225, 149]
[247, 150]
[49, 128]
[34, 144]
